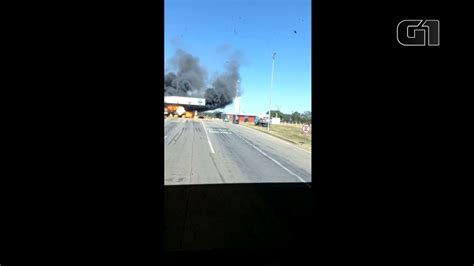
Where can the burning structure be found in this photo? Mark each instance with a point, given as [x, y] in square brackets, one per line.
[184, 106]
[189, 86]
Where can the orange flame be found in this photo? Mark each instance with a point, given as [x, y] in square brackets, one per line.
[189, 114]
[172, 108]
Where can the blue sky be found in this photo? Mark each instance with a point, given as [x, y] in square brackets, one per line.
[255, 28]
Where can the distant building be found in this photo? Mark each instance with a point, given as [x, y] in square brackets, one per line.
[243, 118]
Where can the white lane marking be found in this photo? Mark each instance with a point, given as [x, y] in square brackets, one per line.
[208, 139]
[275, 161]
[219, 131]
[278, 139]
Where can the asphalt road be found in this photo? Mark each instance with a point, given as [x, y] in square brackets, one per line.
[215, 152]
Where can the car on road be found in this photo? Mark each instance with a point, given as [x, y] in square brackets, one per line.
[236, 121]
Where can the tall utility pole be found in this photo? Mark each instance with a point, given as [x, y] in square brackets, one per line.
[270, 94]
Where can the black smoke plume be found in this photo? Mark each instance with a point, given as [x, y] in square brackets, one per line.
[190, 80]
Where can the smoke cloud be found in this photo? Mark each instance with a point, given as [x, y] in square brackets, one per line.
[190, 79]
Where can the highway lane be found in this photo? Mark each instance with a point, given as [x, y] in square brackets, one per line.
[292, 157]
[214, 152]
[170, 125]
[262, 203]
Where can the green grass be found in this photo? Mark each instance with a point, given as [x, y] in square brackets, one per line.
[290, 132]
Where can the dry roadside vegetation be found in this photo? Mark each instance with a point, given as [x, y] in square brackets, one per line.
[290, 132]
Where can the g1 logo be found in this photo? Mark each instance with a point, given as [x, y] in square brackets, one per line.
[418, 32]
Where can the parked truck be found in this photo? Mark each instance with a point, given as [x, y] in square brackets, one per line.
[262, 120]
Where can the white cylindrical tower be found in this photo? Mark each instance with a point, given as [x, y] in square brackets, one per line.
[237, 98]
[237, 105]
